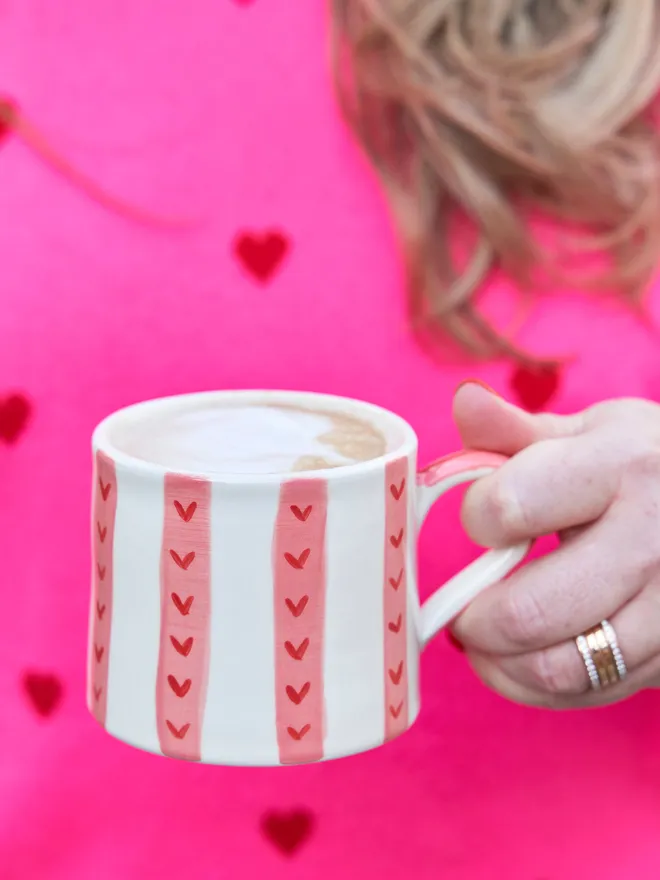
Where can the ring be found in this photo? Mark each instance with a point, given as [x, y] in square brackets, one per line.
[603, 660]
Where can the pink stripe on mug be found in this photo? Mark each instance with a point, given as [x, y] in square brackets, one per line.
[299, 568]
[395, 598]
[103, 533]
[185, 616]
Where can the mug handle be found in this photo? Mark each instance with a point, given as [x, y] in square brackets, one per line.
[449, 600]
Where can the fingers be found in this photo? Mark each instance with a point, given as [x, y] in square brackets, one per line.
[555, 598]
[487, 421]
[548, 487]
[647, 675]
[560, 671]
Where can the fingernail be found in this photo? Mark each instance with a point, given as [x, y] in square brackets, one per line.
[479, 382]
[454, 642]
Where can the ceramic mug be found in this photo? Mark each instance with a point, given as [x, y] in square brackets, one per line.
[267, 619]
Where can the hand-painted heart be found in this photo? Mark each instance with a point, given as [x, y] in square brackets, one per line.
[105, 489]
[298, 696]
[187, 513]
[184, 563]
[302, 515]
[102, 531]
[396, 583]
[185, 648]
[182, 607]
[535, 387]
[397, 491]
[99, 653]
[395, 675]
[261, 254]
[101, 570]
[395, 627]
[298, 734]
[395, 540]
[288, 831]
[298, 609]
[396, 711]
[15, 412]
[298, 561]
[44, 691]
[181, 732]
[299, 652]
[179, 689]
[100, 611]
[97, 693]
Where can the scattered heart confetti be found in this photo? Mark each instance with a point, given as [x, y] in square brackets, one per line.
[15, 413]
[8, 115]
[288, 831]
[44, 691]
[261, 254]
[535, 387]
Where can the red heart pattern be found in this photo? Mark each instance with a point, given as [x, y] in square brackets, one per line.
[299, 652]
[535, 387]
[180, 732]
[187, 513]
[182, 607]
[298, 561]
[395, 674]
[395, 626]
[179, 689]
[298, 696]
[298, 609]
[183, 649]
[187, 560]
[299, 734]
[288, 831]
[395, 540]
[15, 410]
[302, 515]
[44, 691]
[261, 254]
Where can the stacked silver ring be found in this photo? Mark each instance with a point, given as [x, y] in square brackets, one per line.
[589, 664]
[602, 657]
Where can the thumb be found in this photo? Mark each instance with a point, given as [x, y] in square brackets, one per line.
[487, 421]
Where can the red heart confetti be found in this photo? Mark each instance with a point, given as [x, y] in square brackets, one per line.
[288, 831]
[15, 412]
[261, 254]
[535, 386]
[44, 691]
[8, 117]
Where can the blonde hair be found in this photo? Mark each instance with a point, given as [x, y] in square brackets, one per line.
[499, 110]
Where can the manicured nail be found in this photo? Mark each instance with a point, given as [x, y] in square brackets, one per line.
[454, 642]
[479, 382]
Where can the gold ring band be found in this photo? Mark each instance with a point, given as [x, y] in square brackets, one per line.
[602, 657]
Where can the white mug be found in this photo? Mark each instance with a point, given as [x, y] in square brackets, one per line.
[267, 619]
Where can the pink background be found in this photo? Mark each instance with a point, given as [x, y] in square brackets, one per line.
[223, 112]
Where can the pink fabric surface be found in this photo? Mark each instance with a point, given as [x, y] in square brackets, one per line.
[223, 112]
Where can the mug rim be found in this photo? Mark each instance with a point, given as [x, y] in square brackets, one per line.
[382, 417]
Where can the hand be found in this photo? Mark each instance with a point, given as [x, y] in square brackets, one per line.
[594, 478]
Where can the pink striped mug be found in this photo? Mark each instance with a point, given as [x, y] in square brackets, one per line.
[266, 618]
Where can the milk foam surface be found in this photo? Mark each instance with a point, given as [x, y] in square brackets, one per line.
[255, 439]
